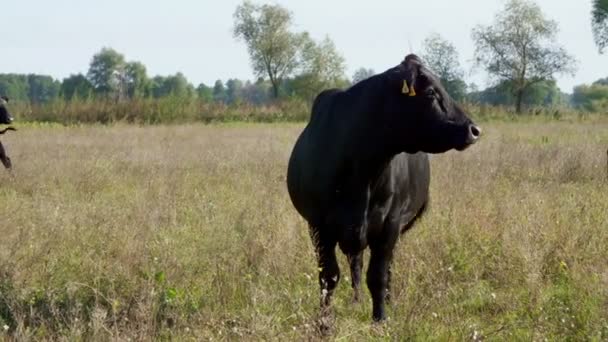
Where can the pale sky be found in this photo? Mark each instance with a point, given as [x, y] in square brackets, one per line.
[59, 37]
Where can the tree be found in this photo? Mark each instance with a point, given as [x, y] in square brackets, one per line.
[42, 88]
[14, 86]
[258, 92]
[204, 93]
[520, 47]
[76, 86]
[592, 98]
[441, 56]
[321, 67]
[175, 85]
[106, 72]
[599, 23]
[219, 92]
[361, 74]
[544, 93]
[272, 47]
[137, 82]
[602, 81]
[234, 91]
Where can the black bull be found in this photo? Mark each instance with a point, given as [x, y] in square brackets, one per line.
[359, 172]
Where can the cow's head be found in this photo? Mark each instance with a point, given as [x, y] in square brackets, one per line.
[421, 114]
[5, 116]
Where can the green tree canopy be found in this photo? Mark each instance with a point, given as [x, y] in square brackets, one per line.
[321, 67]
[361, 74]
[106, 72]
[42, 88]
[137, 82]
[520, 47]
[544, 93]
[204, 93]
[272, 47]
[599, 23]
[234, 91]
[32, 87]
[219, 92]
[175, 85]
[76, 86]
[441, 56]
[592, 98]
[258, 92]
[15, 86]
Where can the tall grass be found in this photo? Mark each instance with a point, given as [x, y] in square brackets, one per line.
[157, 111]
[175, 110]
[186, 232]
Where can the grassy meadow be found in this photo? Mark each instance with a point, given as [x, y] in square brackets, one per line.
[186, 232]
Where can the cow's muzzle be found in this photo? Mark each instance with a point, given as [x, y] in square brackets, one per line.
[474, 134]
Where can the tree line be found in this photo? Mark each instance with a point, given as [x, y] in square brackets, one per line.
[519, 51]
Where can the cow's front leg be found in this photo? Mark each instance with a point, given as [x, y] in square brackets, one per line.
[378, 271]
[356, 265]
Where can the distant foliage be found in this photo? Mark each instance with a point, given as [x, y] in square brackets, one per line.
[273, 47]
[593, 98]
[76, 86]
[441, 56]
[167, 109]
[321, 67]
[35, 88]
[600, 23]
[107, 72]
[520, 47]
[544, 93]
[294, 63]
[361, 74]
[175, 85]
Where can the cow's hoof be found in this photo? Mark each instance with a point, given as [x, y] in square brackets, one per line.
[326, 324]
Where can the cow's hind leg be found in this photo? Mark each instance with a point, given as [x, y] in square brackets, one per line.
[329, 275]
[329, 272]
[6, 161]
[356, 265]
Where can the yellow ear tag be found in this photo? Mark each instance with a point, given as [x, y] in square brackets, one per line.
[412, 91]
[406, 88]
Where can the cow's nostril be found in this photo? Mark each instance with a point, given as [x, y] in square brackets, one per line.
[475, 131]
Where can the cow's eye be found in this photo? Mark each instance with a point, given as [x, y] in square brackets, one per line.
[430, 92]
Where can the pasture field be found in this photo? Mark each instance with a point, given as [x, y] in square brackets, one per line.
[186, 232]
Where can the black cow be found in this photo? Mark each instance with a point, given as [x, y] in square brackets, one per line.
[5, 119]
[359, 172]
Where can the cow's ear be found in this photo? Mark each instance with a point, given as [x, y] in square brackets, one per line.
[409, 73]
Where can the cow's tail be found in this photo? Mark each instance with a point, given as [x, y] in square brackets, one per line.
[9, 128]
[418, 215]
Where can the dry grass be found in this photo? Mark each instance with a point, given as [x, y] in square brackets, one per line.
[187, 232]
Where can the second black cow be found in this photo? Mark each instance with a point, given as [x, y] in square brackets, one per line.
[5, 118]
[359, 172]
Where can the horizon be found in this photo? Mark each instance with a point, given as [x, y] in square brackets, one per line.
[34, 28]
